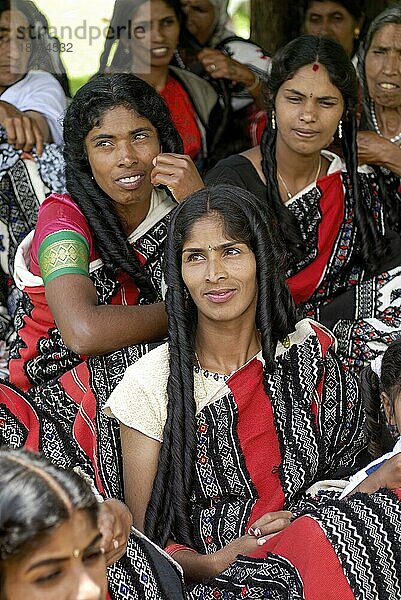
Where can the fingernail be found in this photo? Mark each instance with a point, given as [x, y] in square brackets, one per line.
[154, 161]
[115, 544]
[257, 532]
[251, 531]
[261, 541]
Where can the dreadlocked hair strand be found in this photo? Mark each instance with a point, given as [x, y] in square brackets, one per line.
[373, 244]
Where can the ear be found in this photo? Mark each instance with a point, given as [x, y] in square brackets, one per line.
[387, 408]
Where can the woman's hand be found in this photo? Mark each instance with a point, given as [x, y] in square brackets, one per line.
[270, 524]
[388, 475]
[178, 173]
[221, 66]
[198, 567]
[114, 522]
[374, 149]
[23, 129]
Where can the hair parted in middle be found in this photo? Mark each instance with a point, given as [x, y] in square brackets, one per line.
[246, 220]
[101, 94]
[303, 51]
[35, 497]
[372, 385]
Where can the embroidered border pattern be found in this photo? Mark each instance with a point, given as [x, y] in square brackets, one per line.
[61, 253]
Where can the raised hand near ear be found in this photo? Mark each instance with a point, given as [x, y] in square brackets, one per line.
[178, 173]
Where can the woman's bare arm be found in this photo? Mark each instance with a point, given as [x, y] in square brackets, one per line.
[140, 460]
[88, 328]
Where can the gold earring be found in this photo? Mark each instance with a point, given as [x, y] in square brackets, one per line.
[357, 31]
[340, 129]
[273, 120]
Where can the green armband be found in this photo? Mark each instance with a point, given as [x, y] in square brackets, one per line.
[61, 253]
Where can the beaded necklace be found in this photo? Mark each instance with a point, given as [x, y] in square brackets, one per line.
[395, 139]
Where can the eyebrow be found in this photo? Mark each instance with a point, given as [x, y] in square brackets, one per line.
[110, 136]
[54, 561]
[292, 91]
[385, 48]
[220, 247]
[330, 14]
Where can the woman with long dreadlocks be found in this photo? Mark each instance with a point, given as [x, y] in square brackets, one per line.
[91, 274]
[343, 260]
[224, 427]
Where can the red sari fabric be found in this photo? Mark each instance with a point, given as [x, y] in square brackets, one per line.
[183, 116]
[310, 552]
[68, 388]
[260, 445]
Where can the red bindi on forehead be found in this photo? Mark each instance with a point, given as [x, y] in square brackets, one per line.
[315, 67]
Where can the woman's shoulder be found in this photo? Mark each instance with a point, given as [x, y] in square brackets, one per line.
[59, 212]
[239, 164]
[151, 371]
[139, 401]
[201, 93]
[59, 206]
[187, 77]
[305, 331]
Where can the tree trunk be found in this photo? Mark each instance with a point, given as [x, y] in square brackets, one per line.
[275, 22]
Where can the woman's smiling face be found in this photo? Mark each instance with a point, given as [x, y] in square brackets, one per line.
[219, 273]
[120, 151]
[155, 30]
[308, 109]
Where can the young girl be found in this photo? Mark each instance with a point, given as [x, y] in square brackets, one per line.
[381, 386]
[52, 540]
[50, 544]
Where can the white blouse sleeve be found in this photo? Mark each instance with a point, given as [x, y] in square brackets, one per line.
[140, 400]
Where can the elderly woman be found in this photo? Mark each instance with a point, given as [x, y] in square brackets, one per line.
[380, 73]
[32, 101]
[224, 55]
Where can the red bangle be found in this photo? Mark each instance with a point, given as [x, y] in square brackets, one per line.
[173, 548]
